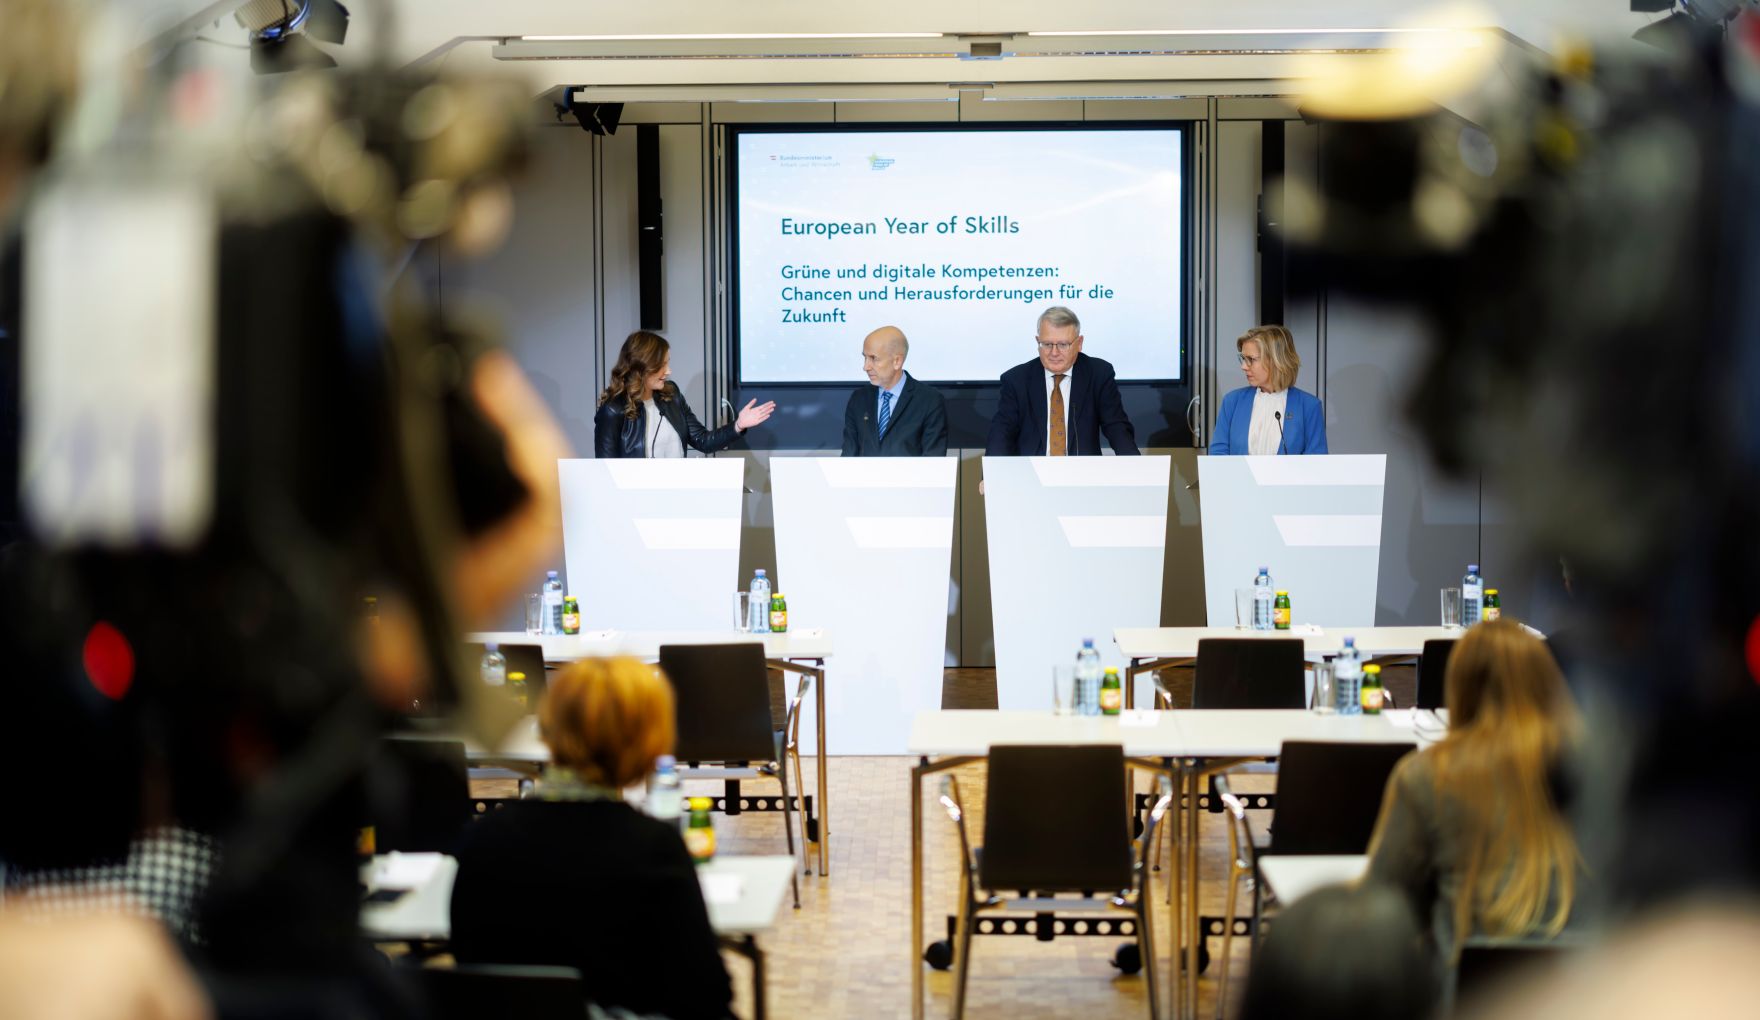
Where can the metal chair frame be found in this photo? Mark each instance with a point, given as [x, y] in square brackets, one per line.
[1135, 900]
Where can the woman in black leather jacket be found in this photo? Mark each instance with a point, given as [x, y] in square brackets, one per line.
[641, 414]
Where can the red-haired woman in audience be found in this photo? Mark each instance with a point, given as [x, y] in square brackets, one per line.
[577, 878]
[1471, 828]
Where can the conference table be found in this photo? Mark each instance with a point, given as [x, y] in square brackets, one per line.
[1155, 648]
[790, 651]
[1187, 745]
[743, 895]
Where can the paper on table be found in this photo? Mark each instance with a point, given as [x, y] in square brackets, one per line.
[720, 888]
[1138, 717]
[1307, 630]
[1401, 717]
[404, 871]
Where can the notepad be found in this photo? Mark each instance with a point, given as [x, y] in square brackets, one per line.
[404, 871]
[722, 888]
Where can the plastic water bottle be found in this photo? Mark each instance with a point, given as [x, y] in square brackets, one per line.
[760, 603]
[494, 665]
[1472, 596]
[665, 796]
[552, 603]
[1087, 679]
[1262, 600]
[1347, 671]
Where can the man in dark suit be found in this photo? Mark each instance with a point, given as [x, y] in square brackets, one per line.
[897, 416]
[1060, 404]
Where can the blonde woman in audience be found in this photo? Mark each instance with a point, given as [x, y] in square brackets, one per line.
[575, 877]
[1470, 828]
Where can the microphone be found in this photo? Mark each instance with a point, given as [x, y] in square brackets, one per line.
[1279, 416]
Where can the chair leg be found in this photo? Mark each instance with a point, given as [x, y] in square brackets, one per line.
[801, 788]
[962, 953]
[1234, 883]
[788, 830]
[1146, 947]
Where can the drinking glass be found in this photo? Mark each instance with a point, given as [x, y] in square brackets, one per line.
[1243, 608]
[1451, 608]
[535, 614]
[1063, 690]
[1325, 689]
[742, 612]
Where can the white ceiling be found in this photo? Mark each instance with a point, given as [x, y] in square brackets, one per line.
[1240, 41]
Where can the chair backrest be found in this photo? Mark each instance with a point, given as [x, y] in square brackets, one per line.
[420, 795]
[1432, 667]
[1329, 795]
[470, 992]
[1249, 673]
[723, 696]
[1055, 819]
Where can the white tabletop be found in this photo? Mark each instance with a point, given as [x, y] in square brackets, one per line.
[424, 914]
[802, 643]
[1182, 642]
[1289, 877]
[1210, 733]
[743, 895]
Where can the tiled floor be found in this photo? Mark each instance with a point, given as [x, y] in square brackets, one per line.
[846, 952]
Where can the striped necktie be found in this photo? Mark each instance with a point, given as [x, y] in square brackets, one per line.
[885, 411]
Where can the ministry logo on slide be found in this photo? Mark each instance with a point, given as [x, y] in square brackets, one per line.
[879, 162]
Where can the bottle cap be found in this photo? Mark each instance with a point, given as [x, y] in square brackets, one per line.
[516, 675]
[549, 573]
[1472, 568]
[1112, 670]
[1371, 668]
[1087, 642]
[1283, 591]
[760, 571]
[665, 761]
[1350, 642]
[701, 803]
[491, 646]
[777, 596]
[1264, 570]
[1491, 591]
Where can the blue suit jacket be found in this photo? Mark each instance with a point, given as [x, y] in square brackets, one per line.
[1304, 423]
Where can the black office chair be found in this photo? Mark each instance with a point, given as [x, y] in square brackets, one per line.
[1432, 668]
[1054, 822]
[1328, 800]
[724, 722]
[471, 992]
[1250, 673]
[420, 798]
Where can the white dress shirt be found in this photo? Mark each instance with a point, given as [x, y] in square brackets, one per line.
[1264, 432]
[663, 439]
[1050, 380]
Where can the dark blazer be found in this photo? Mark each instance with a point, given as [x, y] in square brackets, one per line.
[593, 885]
[1304, 424]
[615, 435]
[918, 427]
[1091, 400]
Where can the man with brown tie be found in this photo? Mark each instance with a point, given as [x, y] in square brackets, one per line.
[1062, 402]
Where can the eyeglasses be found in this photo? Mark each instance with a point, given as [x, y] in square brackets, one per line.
[1059, 348]
[1249, 362]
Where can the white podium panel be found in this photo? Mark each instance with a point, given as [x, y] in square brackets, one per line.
[1315, 521]
[1076, 547]
[863, 547]
[652, 544]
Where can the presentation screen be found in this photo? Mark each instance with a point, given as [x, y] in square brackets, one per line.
[960, 238]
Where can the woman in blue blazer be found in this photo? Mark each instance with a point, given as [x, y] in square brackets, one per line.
[1269, 415]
